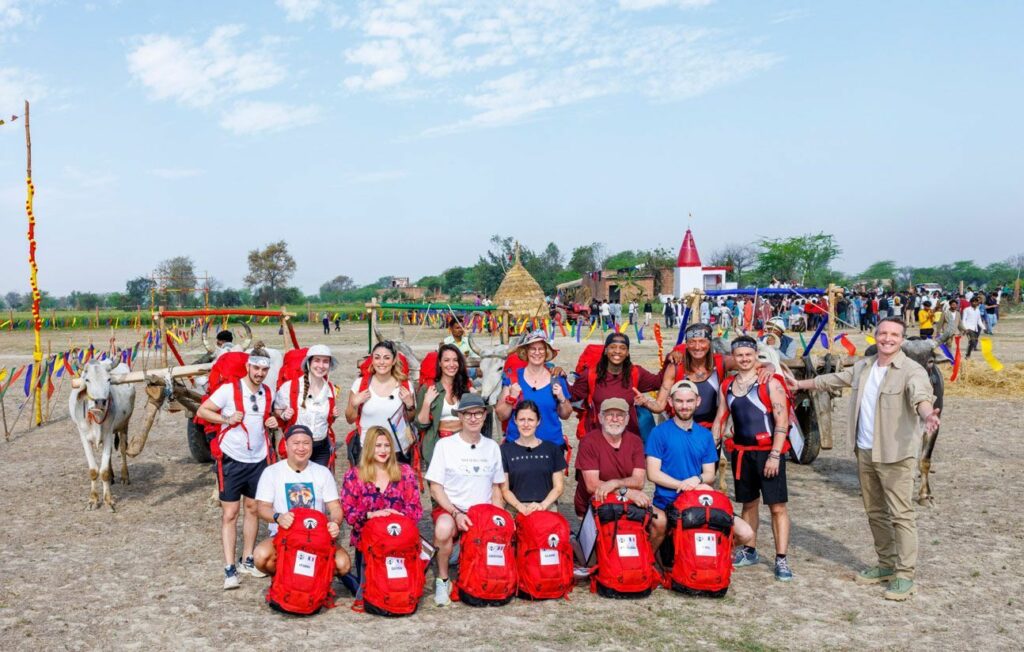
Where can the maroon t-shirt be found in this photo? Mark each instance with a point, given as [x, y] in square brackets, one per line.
[612, 387]
[596, 454]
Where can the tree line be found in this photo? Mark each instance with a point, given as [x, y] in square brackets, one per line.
[806, 259]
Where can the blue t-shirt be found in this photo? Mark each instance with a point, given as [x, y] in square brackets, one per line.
[682, 454]
[550, 428]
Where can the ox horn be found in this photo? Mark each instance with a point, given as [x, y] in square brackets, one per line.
[473, 346]
[376, 333]
[248, 336]
[206, 340]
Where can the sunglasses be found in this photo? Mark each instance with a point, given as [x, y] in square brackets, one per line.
[252, 397]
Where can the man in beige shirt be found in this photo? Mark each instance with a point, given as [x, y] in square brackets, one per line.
[891, 404]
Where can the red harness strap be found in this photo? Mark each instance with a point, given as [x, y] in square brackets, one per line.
[240, 407]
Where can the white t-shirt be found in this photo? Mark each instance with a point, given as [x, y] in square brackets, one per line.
[285, 488]
[971, 319]
[868, 403]
[237, 443]
[317, 411]
[377, 410]
[467, 473]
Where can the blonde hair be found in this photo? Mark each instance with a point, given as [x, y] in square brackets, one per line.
[366, 461]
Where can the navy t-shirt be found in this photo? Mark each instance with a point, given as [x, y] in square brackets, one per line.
[682, 454]
[530, 469]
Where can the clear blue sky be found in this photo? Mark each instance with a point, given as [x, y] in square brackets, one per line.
[394, 138]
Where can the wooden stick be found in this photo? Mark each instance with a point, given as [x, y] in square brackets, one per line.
[3, 412]
[141, 376]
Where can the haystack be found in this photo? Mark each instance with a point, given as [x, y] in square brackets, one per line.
[519, 293]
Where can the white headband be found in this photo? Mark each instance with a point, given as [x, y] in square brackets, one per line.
[259, 361]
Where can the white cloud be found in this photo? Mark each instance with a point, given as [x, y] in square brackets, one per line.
[16, 86]
[13, 13]
[175, 173]
[300, 10]
[643, 5]
[199, 75]
[520, 60]
[255, 117]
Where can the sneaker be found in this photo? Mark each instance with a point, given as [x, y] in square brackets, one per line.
[874, 575]
[580, 572]
[230, 578]
[248, 566]
[742, 558]
[442, 592]
[900, 589]
[782, 572]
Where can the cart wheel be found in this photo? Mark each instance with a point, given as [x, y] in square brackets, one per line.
[807, 417]
[197, 443]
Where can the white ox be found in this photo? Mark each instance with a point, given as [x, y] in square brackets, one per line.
[101, 411]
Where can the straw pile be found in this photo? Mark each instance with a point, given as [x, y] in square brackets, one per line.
[977, 380]
[520, 294]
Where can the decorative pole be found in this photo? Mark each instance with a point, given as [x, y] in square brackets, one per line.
[37, 322]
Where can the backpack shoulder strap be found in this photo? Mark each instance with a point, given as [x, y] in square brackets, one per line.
[634, 377]
[364, 384]
[720, 367]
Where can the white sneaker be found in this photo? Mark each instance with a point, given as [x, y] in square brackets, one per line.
[248, 566]
[231, 578]
[580, 572]
[442, 592]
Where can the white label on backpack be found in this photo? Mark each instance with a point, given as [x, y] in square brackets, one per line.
[495, 554]
[548, 557]
[305, 563]
[396, 567]
[627, 545]
[705, 544]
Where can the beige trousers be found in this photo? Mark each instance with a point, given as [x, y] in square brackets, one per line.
[887, 490]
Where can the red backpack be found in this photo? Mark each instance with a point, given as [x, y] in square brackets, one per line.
[215, 450]
[229, 367]
[487, 565]
[305, 565]
[625, 561]
[395, 570]
[543, 555]
[291, 366]
[764, 441]
[702, 541]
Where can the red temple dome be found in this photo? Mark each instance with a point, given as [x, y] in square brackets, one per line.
[688, 256]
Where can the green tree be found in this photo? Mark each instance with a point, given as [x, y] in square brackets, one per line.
[333, 290]
[178, 274]
[805, 259]
[587, 258]
[270, 269]
[883, 270]
[137, 291]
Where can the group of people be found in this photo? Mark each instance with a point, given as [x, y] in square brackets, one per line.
[711, 400]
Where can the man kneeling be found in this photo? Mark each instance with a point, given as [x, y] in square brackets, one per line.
[681, 456]
[297, 482]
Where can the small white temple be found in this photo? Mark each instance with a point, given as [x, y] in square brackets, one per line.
[691, 275]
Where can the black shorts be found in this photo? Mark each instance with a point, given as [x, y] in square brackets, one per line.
[753, 485]
[321, 452]
[236, 479]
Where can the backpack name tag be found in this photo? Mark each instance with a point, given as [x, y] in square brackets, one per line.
[705, 544]
[495, 554]
[627, 545]
[305, 563]
[396, 567]
[548, 557]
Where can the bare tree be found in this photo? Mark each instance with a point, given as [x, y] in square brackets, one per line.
[741, 257]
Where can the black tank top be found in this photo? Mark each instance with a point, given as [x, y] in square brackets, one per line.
[708, 390]
[750, 417]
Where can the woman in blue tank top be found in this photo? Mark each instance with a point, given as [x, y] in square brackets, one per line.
[535, 383]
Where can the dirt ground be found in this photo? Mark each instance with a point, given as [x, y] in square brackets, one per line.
[149, 575]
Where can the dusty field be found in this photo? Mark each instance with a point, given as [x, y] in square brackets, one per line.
[149, 576]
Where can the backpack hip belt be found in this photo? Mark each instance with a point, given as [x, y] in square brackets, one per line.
[764, 443]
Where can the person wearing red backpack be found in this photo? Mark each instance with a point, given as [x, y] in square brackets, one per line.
[465, 471]
[379, 486]
[614, 376]
[311, 401]
[242, 412]
[536, 383]
[681, 456]
[436, 418]
[380, 397]
[760, 417]
[296, 482]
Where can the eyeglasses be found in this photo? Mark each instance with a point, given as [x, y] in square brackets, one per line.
[474, 415]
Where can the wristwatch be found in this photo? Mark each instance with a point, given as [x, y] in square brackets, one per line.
[276, 515]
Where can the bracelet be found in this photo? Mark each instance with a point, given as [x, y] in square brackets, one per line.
[511, 400]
